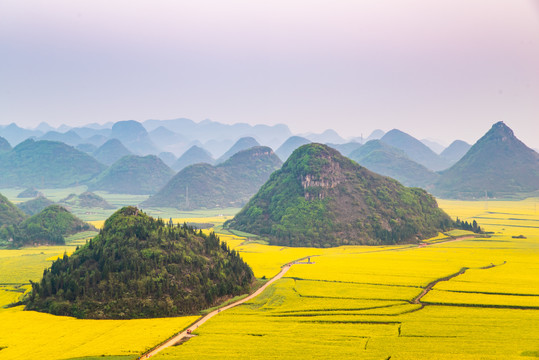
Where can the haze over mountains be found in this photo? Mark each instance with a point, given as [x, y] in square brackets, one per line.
[182, 142]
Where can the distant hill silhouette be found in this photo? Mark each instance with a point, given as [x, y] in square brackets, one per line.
[70, 137]
[16, 135]
[4, 145]
[433, 145]
[35, 206]
[347, 148]
[169, 140]
[415, 150]
[375, 135]
[291, 144]
[30, 192]
[455, 151]
[498, 163]
[242, 144]
[229, 184]
[328, 136]
[133, 175]
[194, 155]
[134, 136]
[320, 198]
[168, 158]
[87, 148]
[46, 164]
[389, 161]
[86, 200]
[203, 131]
[111, 151]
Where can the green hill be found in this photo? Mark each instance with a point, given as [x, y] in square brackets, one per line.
[111, 151]
[498, 163]
[194, 155]
[415, 150]
[229, 184]
[320, 198]
[133, 175]
[48, 227]
[34, 206]
[389, 161]
[138, 267]
[46, 164]
[86, 200]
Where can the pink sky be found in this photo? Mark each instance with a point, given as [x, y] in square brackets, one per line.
[438, 69]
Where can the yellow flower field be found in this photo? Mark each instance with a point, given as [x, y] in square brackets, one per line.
[348, 302]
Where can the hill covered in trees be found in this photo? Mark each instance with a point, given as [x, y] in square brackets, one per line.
[140, 267]
[46, 164]
[320, 198]
[229, 184]
[48, 227]
[133, 175]
[498, 163]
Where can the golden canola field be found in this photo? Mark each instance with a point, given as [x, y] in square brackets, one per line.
[349, 302]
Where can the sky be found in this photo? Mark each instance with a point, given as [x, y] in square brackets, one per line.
[444, 70]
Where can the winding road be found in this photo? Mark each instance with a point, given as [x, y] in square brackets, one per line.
[184, 334]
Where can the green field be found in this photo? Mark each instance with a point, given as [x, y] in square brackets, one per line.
[350, 302]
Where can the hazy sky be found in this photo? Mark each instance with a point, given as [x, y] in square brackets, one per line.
[442, 69]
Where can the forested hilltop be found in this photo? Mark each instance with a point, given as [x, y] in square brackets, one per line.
[321, 198]
[140, 267]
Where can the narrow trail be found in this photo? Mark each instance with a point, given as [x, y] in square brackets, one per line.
[184, 335]
[417, 299]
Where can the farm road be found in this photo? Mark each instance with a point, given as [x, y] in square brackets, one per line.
[177, 338]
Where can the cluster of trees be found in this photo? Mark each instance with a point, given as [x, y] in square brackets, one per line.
[48, 226]
[139, 267]
[464, 225]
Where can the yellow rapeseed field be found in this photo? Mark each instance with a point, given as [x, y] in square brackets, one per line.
[348, 302]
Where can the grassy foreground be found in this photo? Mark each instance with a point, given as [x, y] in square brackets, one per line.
[350, 302]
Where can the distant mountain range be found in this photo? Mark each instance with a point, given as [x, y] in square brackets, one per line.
[229, 184]
[64, 156]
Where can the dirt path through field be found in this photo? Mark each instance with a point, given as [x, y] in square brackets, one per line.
[184, 334]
